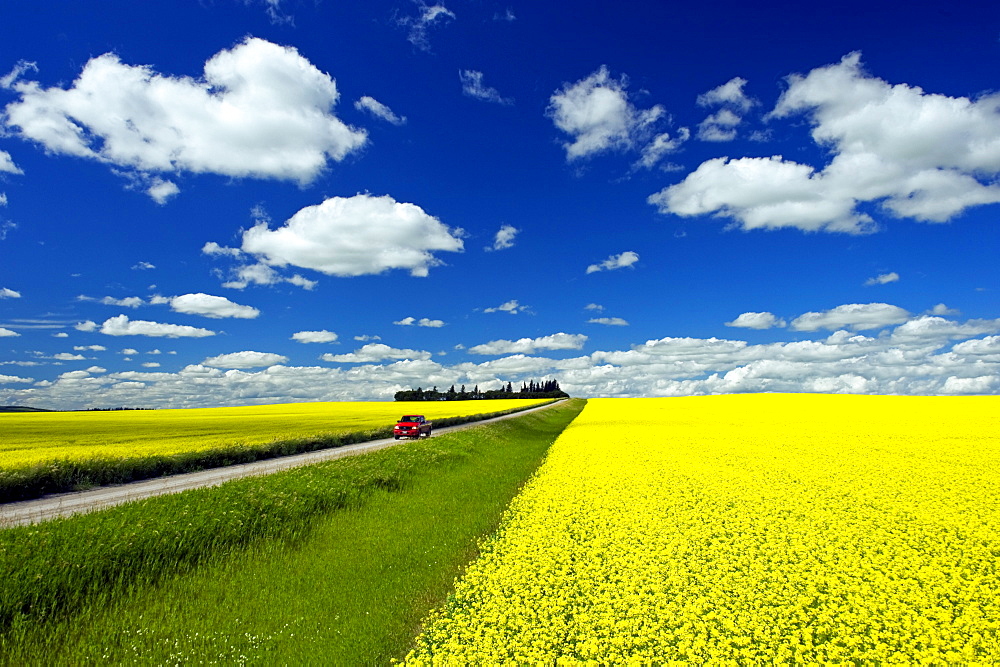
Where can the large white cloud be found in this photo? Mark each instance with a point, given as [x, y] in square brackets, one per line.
[598, 116]
[558, 341]
[920, 155]
[260, 110]
[123, 326]
[352, 236]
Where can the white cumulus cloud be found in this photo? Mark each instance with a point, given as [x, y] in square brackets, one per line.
[245, 359]
[504, 238]
[123, 326]
[598, 116]
[7, 293]
[260, 110]
[351, 236]
[323, 336]
[7, 164]
[7, 333]
[209, 306]
[752, 320]
[853, 316]
[558, 341]
[920, 155]
[609, 321]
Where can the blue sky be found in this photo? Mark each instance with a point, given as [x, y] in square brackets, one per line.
[227, 202]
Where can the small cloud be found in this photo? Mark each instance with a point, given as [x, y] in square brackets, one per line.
[143, 266]
[66, 356]
[507, 16]
[420, 24]
[422, 322]
[942, 310]
[728, 94]
[504, 238]
[245, 359]
[207, 305]
[161, 191]
[366, 338]
[150, 364]
[379, 110]
[473, 86]
[6, 293]
[853, 316]
[882, 279]
[558, 341]
[512, 307]
[751, 320]
[7, 164]
[323, 336]
[627, 258]
[609, 321]
[7, 333]
[86, 326]
[375, 352]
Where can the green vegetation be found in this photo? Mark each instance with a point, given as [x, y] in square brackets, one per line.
[331, 563]
[149, 444]
[531, 389]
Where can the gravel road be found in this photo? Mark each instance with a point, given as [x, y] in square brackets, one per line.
[64, 504]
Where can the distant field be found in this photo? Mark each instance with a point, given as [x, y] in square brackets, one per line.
[749, 529]
[55, 452]
[30, 438]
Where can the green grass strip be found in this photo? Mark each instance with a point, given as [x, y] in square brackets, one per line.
[334, 563]
[60, 476]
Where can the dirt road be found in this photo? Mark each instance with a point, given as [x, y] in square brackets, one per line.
[64, 504]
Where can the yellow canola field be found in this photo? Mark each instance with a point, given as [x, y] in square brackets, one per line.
[34, 437]
[745, 529]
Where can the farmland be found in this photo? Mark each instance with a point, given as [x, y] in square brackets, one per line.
[49, 452]
[340, 558]
[747, 528]
[720, 529]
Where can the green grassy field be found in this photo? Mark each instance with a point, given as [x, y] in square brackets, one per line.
[53, 452]
[330, 564]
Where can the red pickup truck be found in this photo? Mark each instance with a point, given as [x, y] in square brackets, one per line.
[412, 426]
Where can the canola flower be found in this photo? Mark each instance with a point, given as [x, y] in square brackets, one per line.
[745, 529]
[40, 437]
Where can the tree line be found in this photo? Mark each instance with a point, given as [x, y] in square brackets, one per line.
[530, 389]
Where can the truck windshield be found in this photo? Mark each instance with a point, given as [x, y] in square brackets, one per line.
[409, 418]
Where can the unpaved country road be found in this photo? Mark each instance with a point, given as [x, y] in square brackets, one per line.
[63, 504]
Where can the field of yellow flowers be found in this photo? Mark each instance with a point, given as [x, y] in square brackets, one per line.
[745, 528]
[33, 437]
